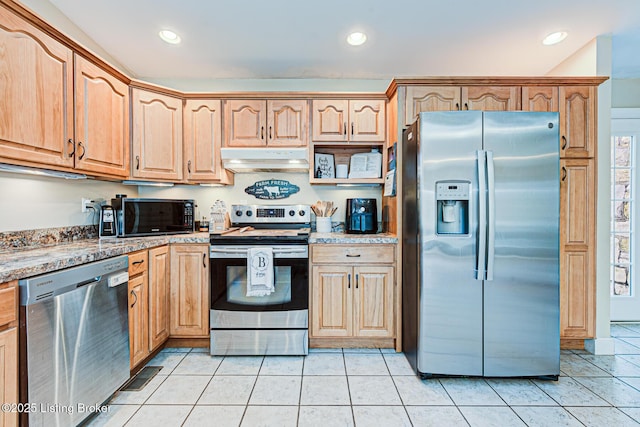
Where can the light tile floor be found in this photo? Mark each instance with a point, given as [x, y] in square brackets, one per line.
[378, 388]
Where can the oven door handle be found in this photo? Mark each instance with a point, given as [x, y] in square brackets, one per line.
[276, 252]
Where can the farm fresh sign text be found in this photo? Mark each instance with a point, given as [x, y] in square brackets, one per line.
[272, 189]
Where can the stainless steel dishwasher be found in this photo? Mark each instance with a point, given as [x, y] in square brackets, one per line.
[75, 333]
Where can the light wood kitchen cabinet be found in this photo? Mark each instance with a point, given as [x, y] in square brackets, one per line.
[352, 291]
[138, 307]
[9, 350]
[348, 120]
[149, 305]
[454, 98]
[577, 106]
[157, 136]
[577, 248]
[39, 102]
[159, 305]
[189, 317]
[202, 142]
[540, 98]
[101, 121]
[260, 123]
[37, 96]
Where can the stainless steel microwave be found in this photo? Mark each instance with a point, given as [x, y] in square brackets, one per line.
[149, 217]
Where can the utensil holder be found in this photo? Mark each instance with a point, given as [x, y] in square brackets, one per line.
[323, 224]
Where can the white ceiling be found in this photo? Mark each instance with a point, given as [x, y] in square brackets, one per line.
[255, 39]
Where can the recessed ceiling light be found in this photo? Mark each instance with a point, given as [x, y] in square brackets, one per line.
[169, 37]
[356, 39]
[554, 38]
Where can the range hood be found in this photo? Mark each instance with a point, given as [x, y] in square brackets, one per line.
[265, 159]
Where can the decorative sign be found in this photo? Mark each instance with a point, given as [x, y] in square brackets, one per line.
[272, 189]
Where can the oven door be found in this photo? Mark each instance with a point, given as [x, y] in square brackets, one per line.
[229, 280]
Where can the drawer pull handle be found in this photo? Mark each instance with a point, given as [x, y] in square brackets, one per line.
[357, 280]
[137, 262]
[353, 256]
[564, 142]
[348, 281]
[204, 260]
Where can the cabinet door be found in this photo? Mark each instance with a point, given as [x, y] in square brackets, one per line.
[430, 98]
[491, 98]
[331, 301]
[202, 140]
[102, 121]
[245, 123]
[189, 291]
[373, 305]
[540, 98]
[138, 319]
[329, 120]
[287, 123]
[36, 96]
[159, 278]
[9, 374]
[577, 244]
[367, 120]
[157, 136]
[577, 121]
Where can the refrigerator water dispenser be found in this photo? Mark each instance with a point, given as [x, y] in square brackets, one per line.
[452, 206]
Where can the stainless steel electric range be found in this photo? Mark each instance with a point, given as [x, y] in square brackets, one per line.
[275, 321]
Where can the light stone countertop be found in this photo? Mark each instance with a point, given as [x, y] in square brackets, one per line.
[20, 264]
[343, 238]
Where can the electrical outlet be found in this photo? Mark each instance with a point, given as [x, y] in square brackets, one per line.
[85, 203]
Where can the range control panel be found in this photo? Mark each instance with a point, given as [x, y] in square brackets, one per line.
[270, 214]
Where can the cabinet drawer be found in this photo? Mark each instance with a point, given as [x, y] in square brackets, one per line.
[138, 263]
[353, 254]
[8, 304]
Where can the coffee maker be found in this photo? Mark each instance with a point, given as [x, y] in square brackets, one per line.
[361, 216]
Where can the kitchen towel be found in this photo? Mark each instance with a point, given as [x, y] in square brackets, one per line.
[260, 272]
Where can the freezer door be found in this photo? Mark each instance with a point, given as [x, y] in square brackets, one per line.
[450, 297]
[521, 293]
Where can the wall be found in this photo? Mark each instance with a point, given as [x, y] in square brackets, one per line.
[581, 63]
[308, 194]
[625, 93]
[29, 202]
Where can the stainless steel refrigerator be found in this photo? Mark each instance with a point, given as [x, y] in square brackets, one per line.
[480, 233]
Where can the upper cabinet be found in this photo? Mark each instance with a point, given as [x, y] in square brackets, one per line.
[101, 121]
[38, 104]
[202, 141]
[36, 93]
[348, 120]
[258, 123]
[157, 136]
[577, 121]
[454, 98]
[540, 98]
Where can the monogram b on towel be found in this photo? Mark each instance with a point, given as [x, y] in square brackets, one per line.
[260, 272]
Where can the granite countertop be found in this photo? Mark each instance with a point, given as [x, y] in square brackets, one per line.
[24, 263]
[341, 237]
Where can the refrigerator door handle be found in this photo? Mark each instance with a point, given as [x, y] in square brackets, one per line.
[491, 220]
[481, 250]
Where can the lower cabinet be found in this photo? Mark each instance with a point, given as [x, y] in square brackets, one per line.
[352, 291]
[9, 351]
[159, 280]
[189, 295]
[148, 302]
